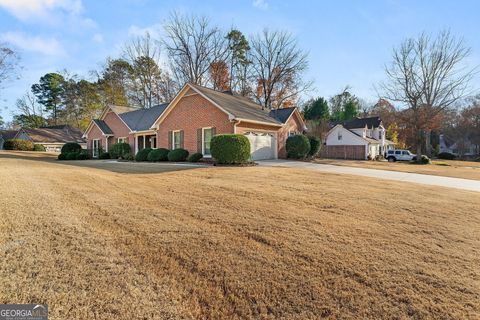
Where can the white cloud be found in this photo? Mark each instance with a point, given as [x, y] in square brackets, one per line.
[260, 4]
[43, 9]
[98, 38]
[46, 46]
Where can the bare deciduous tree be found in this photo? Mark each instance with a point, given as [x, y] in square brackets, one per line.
[146, 76]
[8, 62]
[192, 45]
[278, 66]
[427, 76]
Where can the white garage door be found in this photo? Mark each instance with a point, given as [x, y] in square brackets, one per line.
[262, 145]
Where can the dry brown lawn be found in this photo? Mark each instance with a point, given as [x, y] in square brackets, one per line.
[226, 243]
[446, 168]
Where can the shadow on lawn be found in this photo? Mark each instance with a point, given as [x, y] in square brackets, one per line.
[109, 165]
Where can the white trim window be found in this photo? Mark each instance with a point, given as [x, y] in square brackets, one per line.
[176, 139]
[122, 140]
[291, 133]
[207, 134]
[340, 135]
[95, 148]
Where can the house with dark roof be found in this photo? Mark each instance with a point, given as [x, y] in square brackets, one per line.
[192, 118]
[6, 135]
[53, 137]
[358, 138]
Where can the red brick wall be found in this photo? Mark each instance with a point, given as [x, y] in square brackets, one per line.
[119, 130]
[191, 113]
[95, 133]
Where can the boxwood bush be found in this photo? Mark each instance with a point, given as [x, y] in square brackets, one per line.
[314, 146]
[18, 144]
[119, 150]
[39, 147]
[71, 147]
[142, 155]
[71, 155]
[104, 155]
[178, 155]
[62, 156]
[81, 156]
[195, 157]
[446, 156]
[423, 160]
[160, 154]
[298, 146]
[230, 148]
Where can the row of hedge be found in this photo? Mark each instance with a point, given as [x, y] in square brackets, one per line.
[162, 154]
[22, 145]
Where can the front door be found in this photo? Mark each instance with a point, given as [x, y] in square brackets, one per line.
[95, 148]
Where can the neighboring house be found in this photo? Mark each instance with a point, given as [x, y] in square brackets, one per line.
[193, 117]
[359, 138]
[6, 135]
[457, 147]
[53, 137]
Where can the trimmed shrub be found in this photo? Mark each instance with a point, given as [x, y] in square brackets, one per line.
[298, 146]
[81, 156]
[62, 156]
[18, 144]
[314, 146]
[39, 147]
[71, 155]
[446, 156]
[195, 157]
[178, 155]
[142, 155]
[160, 154]
[104, 155]
[71, 147]
[230, 148]
[423, 160]
[119, 150]
[379, 157]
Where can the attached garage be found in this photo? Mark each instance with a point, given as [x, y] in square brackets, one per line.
[263, 145]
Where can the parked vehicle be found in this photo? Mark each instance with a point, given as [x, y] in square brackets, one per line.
[400, 155]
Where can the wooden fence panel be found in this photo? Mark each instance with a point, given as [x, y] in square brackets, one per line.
[352, 152]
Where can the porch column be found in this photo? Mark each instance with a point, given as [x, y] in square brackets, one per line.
[106, 144]
[136, 143]
[144, 142]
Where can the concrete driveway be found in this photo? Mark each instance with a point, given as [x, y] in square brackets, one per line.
[465, 184]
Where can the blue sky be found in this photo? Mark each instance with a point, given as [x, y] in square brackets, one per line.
[349, 41]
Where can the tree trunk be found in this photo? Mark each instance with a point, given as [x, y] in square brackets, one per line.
[419, 146]
[428, 145]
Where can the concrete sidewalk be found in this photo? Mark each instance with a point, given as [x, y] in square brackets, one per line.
[457, 183]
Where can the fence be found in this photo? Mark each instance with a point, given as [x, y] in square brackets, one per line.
[343, 152]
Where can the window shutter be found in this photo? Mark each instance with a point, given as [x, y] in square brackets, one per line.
[199, 140]
[169, 140]
[214, 131]
[181, 139]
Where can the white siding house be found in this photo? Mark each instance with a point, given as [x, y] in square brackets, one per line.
[366, 132]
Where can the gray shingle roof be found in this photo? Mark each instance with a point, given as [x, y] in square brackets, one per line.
[103, 126]
[362, 122]
[282, 115]
[51, 135]
[143, 119]
[8, 134]
[239, 107]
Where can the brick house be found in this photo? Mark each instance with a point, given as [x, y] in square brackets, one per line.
[191, 119]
